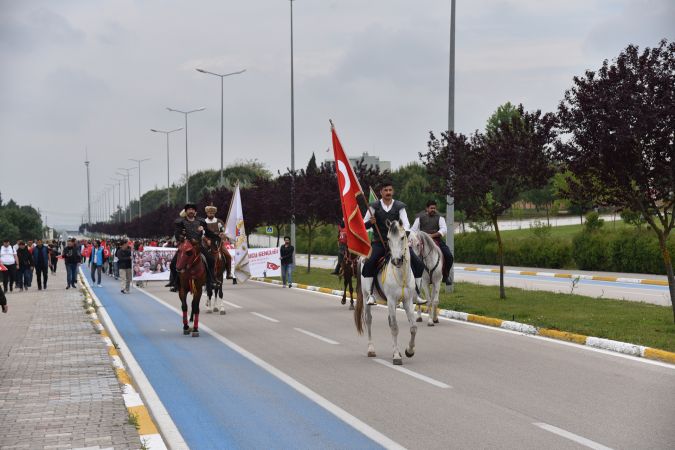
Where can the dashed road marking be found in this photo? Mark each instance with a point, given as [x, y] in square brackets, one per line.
[262, 316]
[571, 436]
[232, 304]
[316, 336]
[419, 376]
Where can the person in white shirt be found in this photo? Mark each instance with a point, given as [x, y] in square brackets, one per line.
[8, 259]
[434, 225]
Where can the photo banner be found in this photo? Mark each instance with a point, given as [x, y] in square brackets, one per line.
[264, 262]
[152, 264]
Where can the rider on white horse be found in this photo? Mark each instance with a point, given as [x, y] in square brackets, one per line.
[434, 225]
[383, 210]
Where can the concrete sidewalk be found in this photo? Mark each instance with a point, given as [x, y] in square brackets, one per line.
[58, 388]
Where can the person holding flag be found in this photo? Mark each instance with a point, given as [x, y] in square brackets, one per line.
[377, 214]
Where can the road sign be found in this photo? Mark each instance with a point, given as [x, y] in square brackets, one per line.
[269, 230]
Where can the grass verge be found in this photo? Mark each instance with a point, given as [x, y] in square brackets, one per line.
[633, 322]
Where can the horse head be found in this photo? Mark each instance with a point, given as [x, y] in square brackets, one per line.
[187, 254]
[398, 243]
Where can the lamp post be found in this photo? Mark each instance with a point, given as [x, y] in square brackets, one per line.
[86, 163]
[118, 207]
[222, 77]
[292, 141]
[128, 175]
[450, 211]
[187, 172]
[139, 161]
[167, 133]
[112, 205]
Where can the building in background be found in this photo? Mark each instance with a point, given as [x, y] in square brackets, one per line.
[368, 161]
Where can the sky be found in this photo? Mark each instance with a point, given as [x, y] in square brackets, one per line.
[96, 75]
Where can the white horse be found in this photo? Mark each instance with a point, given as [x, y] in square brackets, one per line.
[398, 285]
[431, 255]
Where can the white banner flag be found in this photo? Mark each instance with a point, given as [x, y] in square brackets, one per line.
[264, 262]
[234, 229]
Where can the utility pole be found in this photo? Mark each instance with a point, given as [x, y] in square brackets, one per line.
[450, 211]
[86, 163]
[139, 161]
[292, 141]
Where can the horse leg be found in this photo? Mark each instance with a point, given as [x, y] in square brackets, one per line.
[369, 322]
[195, 310]
[434, 303]
[344, 292]
[351, 294]
[393, 326]
[183, 306]
[410, 313]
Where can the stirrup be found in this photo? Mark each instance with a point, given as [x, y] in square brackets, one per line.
[371, 300]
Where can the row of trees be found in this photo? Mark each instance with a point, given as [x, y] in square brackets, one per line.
[612, 139]
[19, 222]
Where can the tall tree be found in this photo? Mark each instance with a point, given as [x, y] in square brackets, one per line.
[621, 124]
[488, 172]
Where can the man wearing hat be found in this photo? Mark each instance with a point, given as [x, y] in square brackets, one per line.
[193, 228]
[217, 227]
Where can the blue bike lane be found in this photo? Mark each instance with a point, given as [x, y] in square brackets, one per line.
[216, 397]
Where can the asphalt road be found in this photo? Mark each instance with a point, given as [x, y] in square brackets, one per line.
[657, 295]
[468, 386]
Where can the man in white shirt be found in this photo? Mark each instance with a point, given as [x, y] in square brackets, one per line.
[8, 259]
[434, 225]
[387, 209]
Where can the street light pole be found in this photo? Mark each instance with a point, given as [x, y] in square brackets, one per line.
[167, 133]
[139, 161]
[119, 198]
[86, 163]
[222, 77]
[128, 175]
[450, 212]
[292, 141]
[112, 205]
[187, 172]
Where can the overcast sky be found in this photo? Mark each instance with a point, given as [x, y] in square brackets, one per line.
[100, 74]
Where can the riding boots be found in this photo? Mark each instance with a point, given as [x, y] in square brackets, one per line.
[367, 285]
[419, 300]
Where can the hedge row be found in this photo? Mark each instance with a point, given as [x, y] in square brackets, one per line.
[622, 251]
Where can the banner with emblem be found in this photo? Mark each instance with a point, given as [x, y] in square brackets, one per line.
[351, 196]
[264, 262]
[234, 229]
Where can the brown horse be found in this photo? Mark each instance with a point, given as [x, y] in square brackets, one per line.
[220, 266]
[192, 275]
[347, 272]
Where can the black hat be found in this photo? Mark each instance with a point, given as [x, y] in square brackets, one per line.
[190, 205]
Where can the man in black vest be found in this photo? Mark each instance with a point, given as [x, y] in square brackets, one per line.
[434, 225]
[382, 210]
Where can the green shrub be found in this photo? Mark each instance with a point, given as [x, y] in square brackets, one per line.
[590, 251]
[637, 251]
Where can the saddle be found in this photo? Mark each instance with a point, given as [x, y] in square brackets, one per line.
[378, 268]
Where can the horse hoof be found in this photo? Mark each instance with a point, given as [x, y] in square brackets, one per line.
[435, 320]
[409, 354]
[398, 361]
[419, 319]
[371, 354]
[430, 324]
[222, 312]
[195, 334]
[351, 307]
[208, 311]
[186, 332]
[215, 309]
[343, 301]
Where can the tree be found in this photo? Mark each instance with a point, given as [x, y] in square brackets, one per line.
[621, 126]
[581, 200]
[542, 198]
[487, 173]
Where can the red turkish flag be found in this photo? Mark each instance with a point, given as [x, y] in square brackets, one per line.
[350, 195]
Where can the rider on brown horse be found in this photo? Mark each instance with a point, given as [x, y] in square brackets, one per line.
[193, 228]
[217, 227]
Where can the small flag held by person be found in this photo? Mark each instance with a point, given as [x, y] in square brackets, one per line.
[351, 196]
[234, 229]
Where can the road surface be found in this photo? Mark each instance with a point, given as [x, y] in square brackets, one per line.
[468, 386]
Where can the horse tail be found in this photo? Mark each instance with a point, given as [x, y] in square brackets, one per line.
[359, 311]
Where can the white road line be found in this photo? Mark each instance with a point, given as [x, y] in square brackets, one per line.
[232, 304]
[262, 316]
[332, 408]
[571, 436]
[413, 374]
[316, 336]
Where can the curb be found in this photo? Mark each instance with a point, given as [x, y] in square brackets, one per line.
[579, 276]
[589, 341]
[149, 434]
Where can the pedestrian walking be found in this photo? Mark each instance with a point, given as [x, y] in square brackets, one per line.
[8, 259]
[96, 263]
[124, 266]
[286, 252]
[41, 261]
[71, 258]
[30, 245]
[54, 254]
[25, 265]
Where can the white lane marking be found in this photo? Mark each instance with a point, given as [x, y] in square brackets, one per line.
[316, 336]
[531, 336]
[262, 316]
[571, 436]
[413, 374]
[232, 304]
[338, 412]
